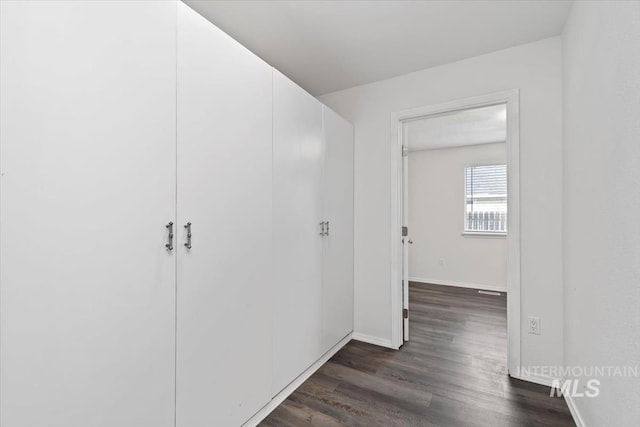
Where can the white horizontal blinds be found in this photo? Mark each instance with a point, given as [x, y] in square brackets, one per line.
[486, 199]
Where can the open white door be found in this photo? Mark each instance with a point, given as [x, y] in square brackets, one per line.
[405, 243]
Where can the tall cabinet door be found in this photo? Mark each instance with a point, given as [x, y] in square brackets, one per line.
[297, 248]
[337, 298]
[87, 185]
[224, 191]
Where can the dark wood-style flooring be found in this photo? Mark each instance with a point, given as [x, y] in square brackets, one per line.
[452, 372]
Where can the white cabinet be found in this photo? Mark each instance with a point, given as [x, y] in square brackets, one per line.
[224, 311]
[297, 213]
[313, 230]
[118, 119]
[87, 147]
[337, 277]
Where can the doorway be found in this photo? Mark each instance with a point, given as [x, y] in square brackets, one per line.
[482, 210]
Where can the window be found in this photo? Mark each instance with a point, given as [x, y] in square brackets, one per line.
[486, 199]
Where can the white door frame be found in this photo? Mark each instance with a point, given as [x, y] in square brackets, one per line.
[406, 241]
[512, 99]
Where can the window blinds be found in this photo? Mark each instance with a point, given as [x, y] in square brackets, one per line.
[486, 199]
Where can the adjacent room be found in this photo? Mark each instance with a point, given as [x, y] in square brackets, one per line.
[456, 198]
[456, 207]
[290, 213]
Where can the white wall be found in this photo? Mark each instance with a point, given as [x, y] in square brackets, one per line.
[602, 172]
[534, 68]
[436, 220]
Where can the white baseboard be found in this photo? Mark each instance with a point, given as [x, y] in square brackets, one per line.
[536, 379]
[282, 396]
[459, 284]
[373, 340]
[574, 411]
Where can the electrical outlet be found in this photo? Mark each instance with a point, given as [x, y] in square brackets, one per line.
[534, 325]
[441, 262]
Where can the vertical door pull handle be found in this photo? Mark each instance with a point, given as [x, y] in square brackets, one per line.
[188, 227]
[322, 228]
[169, 245]
[327, 232]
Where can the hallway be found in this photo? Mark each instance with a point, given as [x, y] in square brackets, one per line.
[452, 373]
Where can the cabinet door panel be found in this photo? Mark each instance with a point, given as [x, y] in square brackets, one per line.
[87, 148]
[224, 190]
[337, 291]
[297, 198]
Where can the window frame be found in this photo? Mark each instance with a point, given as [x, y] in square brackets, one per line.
[482, 234]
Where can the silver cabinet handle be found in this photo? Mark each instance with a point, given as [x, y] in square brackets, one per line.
[188, 227]
[169, 245]
[324, 231]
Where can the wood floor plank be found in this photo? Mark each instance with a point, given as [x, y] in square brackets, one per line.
[453, 372]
